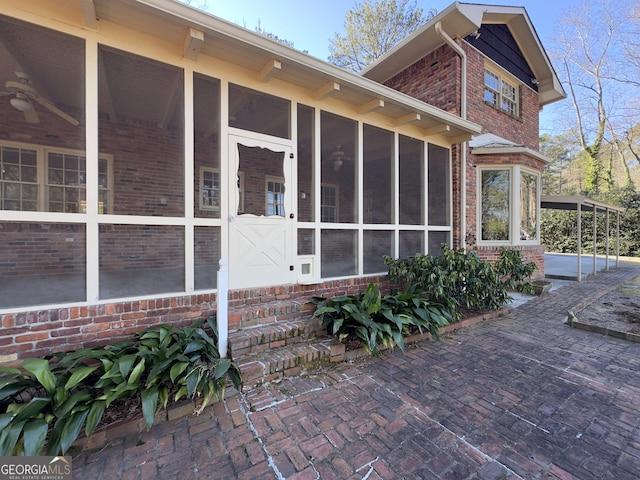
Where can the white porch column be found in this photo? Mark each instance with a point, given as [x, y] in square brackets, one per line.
[223, 308]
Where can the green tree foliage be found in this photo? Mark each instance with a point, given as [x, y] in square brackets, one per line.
[371, 29]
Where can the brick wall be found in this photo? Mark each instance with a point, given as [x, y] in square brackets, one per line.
[42, 332]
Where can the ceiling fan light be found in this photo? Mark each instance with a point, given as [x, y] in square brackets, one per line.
[21, 104]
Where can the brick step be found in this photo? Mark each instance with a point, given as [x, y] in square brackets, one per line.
[273, 365]
[277, 311]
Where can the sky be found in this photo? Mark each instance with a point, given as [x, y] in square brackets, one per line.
[311, 24]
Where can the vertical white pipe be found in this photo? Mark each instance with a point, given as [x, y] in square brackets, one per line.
[578, 208]
[223, 308]
[595, 231]
[463, 146]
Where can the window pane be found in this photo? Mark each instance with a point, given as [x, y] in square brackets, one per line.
[39, 67]
[206, 257]
[376, 245]
[439, 186]
[411, 181]
[492, 81]
[55, 270]
[306, 241]
[141, 260]
[18, 179]
[206, 141]
[528, 206]
[436, 239]
[141, 124]
[306, 142]
[259, 112]
[411, 243]
[338, 144]
[378, 165]
[256, 168]
[495, 205]
[338, 253]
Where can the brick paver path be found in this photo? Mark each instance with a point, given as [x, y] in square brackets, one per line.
[522, 396]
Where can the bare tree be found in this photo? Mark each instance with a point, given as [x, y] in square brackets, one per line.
[591, 45]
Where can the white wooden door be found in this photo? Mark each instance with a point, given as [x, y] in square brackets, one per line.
[260, 213]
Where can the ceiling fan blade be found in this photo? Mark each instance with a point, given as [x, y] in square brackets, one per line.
[31, 116]
[50, 106]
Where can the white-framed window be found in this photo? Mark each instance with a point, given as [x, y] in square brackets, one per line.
[274, 202]
[209, 189]
[508, 205]
[329, 203]
[501, 92]
[48, 179]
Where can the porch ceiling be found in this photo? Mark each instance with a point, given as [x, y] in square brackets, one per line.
[567, 202]
[171, 21]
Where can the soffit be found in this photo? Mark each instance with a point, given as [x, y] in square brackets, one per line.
[171, 21]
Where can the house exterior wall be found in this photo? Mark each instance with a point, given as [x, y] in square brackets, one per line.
[162, 226]
[436, 79]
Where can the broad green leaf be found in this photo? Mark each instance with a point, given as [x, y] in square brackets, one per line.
[177, 369]
[125, 364]
[40, 369]
[94, 417]
[5, 419]
[72, 429]
[79, 375]
[193, 346]
[9, 370]
[35, 407]
[77, 398]
[34, 436]
[137, 372]
[149, 405]
[9, 438]
[222, 367]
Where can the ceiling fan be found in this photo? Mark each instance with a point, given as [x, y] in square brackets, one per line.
[23, 94]
[338, 158]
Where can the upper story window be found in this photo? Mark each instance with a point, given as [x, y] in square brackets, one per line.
[501, 92]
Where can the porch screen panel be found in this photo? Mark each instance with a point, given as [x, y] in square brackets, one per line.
[436, 239]
[141, 124]
[306, 196]
[208, 186]
[306, 241]
[378, 179]
[259, 112]
[411, 182]
[206, 257]
[411, 242]
[41, 66]
[338, 146]
[141, 260]
[439, 185]
[377, 244]
[339, 253]
[42, 263]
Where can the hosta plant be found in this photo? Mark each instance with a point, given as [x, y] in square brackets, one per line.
[378, 320]
[45, 404]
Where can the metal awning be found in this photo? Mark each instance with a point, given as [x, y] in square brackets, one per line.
[581, 203]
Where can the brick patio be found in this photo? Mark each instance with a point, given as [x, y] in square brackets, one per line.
[521, 396]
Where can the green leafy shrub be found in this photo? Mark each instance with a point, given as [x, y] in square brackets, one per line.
[460, 280]
[514, 272]
[379, 320]
[46, 403]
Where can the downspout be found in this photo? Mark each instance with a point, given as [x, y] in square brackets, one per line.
[463, 145]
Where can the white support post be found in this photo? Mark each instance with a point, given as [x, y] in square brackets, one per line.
[595, 233]
[223, 308]
[578, 208]
[606, 253]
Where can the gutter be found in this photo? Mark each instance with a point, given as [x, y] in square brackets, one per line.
[463, 145]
